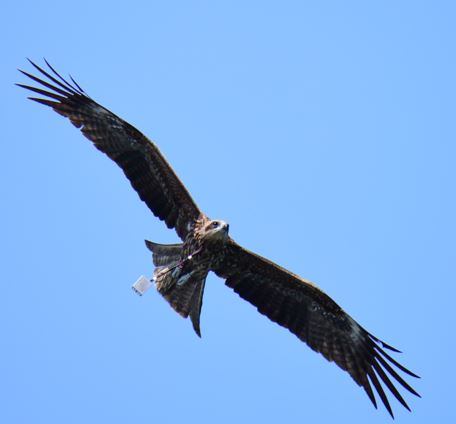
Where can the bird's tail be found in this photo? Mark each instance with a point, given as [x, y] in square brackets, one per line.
[183, 291]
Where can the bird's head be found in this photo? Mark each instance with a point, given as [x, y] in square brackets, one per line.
[216, 230]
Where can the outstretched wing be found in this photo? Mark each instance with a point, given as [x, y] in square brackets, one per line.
[143, 164]
[316, 319]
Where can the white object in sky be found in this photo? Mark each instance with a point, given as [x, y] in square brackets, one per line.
[141, 285]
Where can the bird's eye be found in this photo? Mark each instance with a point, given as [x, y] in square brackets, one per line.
[214, 224]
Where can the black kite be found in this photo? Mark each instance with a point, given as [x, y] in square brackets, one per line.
[181, 269]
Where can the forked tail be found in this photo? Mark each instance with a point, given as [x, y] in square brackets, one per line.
[182, 289]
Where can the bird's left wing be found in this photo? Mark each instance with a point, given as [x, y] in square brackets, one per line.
[315, 318]
[148, 171]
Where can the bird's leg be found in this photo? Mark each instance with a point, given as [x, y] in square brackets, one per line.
[179, 268]
[182, 280]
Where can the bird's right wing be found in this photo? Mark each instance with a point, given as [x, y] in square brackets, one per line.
[148, 171]
[315, 318]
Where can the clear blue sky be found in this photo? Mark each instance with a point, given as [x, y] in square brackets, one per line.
[327, 134]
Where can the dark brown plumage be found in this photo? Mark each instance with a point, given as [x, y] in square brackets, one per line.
[143, 164]
[181, 269]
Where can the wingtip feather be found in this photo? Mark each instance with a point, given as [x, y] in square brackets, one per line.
[45, 102]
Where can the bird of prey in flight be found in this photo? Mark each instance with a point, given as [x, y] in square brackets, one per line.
[181, 269]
